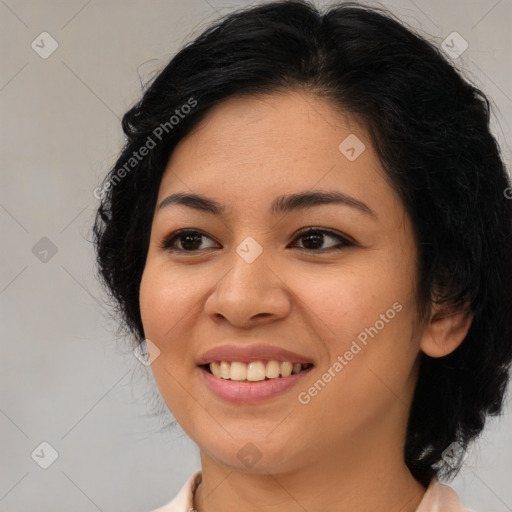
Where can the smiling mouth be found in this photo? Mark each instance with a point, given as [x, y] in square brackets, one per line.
[254, 371]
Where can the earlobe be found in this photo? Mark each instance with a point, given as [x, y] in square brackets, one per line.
[445, 331]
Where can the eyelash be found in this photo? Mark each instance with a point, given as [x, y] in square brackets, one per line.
[168, 242]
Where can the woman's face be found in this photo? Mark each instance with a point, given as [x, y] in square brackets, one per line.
[251, 281]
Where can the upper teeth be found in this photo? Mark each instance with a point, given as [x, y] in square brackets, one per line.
[254, 371]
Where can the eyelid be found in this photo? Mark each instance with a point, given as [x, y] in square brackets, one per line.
[349, 241]
[169, 240]
[345, 241]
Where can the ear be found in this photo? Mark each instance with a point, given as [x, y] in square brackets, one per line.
[445, 331]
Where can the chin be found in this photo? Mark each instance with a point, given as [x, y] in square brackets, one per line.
[251, 454]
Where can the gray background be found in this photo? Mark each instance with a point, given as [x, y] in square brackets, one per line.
[66, 377]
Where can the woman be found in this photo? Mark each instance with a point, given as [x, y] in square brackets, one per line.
[310, 228]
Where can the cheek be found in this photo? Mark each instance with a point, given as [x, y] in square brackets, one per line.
[347, 300]
[153, 301]
[164, 303]
[371, 304]
[164, 298]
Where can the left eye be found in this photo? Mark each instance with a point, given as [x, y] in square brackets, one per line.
[312, 240]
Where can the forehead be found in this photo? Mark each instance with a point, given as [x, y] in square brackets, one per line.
[271, 144]
[284, 125]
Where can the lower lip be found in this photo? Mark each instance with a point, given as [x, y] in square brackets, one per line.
[242, 392]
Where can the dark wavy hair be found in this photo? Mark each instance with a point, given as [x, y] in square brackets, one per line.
[430, 128]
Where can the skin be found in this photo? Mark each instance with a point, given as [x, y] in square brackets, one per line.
[344, 449]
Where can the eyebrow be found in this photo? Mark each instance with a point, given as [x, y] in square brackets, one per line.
[282, 204]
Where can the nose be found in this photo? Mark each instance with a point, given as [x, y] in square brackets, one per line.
[249, 294]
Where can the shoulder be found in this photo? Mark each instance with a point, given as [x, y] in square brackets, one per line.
[441, 498]
[183, 501]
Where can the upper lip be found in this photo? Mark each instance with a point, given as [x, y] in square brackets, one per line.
[248, 353]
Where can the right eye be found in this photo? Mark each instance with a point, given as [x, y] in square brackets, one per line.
[188, 239]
